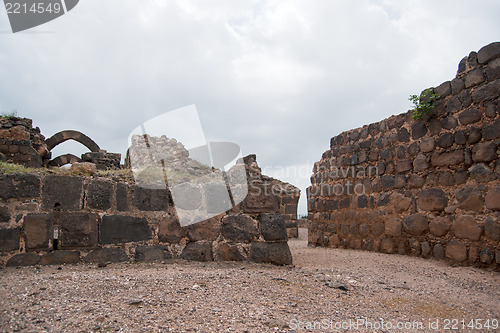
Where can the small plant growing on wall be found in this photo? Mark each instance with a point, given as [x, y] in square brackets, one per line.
[423, 104]
[9, 115]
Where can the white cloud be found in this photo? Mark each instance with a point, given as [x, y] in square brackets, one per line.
[277, 77]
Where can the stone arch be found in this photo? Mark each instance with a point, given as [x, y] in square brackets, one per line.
[63, 136]
[64, 159]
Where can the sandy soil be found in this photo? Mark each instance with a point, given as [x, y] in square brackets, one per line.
[326, 290]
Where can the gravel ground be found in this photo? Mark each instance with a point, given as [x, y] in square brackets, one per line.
[326, 290]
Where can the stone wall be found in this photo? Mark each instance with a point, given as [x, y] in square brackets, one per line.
[20, 143]
[425, 188]
[56, 219]
[288, 195]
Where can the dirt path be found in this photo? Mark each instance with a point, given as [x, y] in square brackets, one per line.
[326, 290]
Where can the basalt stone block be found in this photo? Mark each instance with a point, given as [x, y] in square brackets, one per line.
[198, 251]
[474, 77]
[486, 92]
[432, 199]
[9, 239]
[470, 116]
[151, 199]
[122, 197]
[461, 176]
[19, 185]
[420, 163]
[415, 224]
[99, 195]
[272, 227]
[446, 178]
[474, 135]
[434, 126]
[401, 203]
[473, 253]
[404, 166]
[395, 121]
[403, 135]
[78, 230]
[400, 181]
[4, 214]
[393, 227]
[228, 252]
[260, 199]
[274, 253]
[456, 250]
[446, 140]
[492, 132]
[493, 70]
[107, 255]
[354, 135]
[60, 258]
[426, 249]
[488, 52]
[460, 137]
[481, 173]
[152, 253]
[189, 197]
[491, 111]
[377, 229]
[387, 246]
[444, 89]
[115, 229]
[170, 230]
[427, 145]
[205, 230]
[465, 227]
[387, 182]
[492, 200]
[469, 198]
[487, 256]
[457, 85]
[465, 98]
[439, 226]
[492, 229]
[418, 130]
[454, 104]
[454, 157]
[216, 198]
[62, 192]
[415, 181]
[439, 251]
[362, 201]
[239, 228]
[23, 259]
[36, 229]
[449, 122]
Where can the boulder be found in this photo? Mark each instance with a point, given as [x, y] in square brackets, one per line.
[415, 224]
[274, 253]
[433, 199]
[465, 227]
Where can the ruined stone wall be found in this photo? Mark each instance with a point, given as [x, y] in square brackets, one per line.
[287, 194]
[20, 143]
[425, 188]
[56, 219]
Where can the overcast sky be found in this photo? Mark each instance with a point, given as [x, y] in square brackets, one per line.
[279, 78]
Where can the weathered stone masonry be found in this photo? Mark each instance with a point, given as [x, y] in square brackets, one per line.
[55, 219]
[424, 188]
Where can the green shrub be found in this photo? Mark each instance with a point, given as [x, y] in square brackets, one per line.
[12, 114]
[423, 104]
